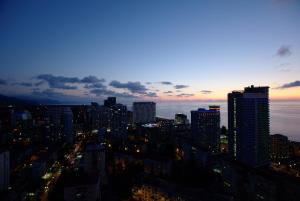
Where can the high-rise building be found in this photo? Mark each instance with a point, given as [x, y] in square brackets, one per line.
[94, 158]
[144, 112]
[130, 118]
[248, 123]
[110, 101]
[118, 119]
[279, 147]
[205, 125]
[112, 117]
[53, 118]
[68, 125]
[58, 126]
[232, 121]
[94, 116]
[4, 170]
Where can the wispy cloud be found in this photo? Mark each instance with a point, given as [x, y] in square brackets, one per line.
[24, 84]
[180, 86]
[3, 82]
[104, 92]
[166, 83]
[95, 86]
[92, 79]
[151, 94]
[168, 92]
[290, 85]
[59, 82]
[63, 82]
[206, 91]
[133, 87]
[39, 83]
[184, 95]
[284, 51]
[284, 67]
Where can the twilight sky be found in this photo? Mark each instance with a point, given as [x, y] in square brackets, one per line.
[154, 50]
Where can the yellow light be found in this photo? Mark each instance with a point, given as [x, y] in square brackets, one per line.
[46, 176]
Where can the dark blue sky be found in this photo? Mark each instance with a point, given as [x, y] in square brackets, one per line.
[212, 47]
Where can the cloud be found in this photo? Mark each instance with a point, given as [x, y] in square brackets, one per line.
[166, 83]
[148, 83]
[39, 83]
[284, 67]
[290, 85]
[47, 93]
[99, 92]
[95, 86]
[151, 94]
[283, 51]
[92, 79]
[59, 82]
[180, 86]
[206, 91]
[62, 82]
[3, 82]
[133, 87]
[184, 95]
[104, 92]
[168, 92]
[24, 84]
[286, 70]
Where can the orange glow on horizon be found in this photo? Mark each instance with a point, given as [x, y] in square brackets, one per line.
[290, 94]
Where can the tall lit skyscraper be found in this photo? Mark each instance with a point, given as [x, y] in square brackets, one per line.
[248, 123]
[144, 112]
[205, 126]
[232, 121]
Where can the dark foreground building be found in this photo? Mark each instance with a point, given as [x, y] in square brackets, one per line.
[205, 125]
[248, 124]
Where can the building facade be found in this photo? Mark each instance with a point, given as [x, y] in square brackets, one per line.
[248, 123]
[68, 125]
[205, 125]
[144, 112]
[279, 147]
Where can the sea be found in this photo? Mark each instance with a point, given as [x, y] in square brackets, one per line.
[284, 115]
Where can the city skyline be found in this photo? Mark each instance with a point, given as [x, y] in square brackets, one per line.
[149, 100]
[163, 51]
